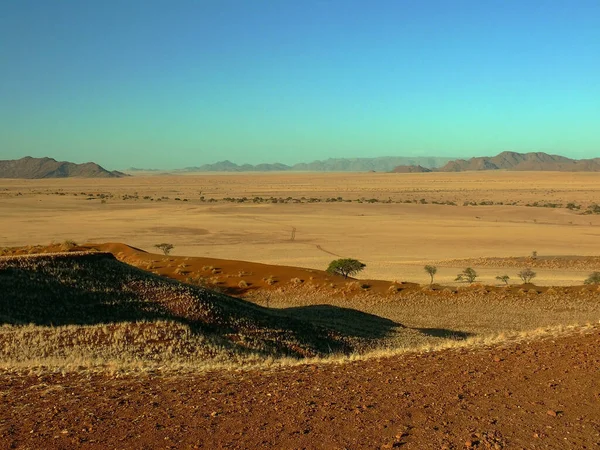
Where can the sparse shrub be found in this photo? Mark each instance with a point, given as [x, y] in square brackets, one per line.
[431, 270]
[165, 247]
[503, 278]
[468, 275]
[593, 278]
[345, 267]
[527, 275]
[534, 254]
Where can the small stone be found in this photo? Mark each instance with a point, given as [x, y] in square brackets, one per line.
[552, 413]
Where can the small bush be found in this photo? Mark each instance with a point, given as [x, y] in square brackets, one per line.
[270, 280]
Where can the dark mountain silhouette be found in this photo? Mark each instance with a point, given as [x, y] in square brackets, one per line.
[535, 161]
[411, 169]
[29, 167]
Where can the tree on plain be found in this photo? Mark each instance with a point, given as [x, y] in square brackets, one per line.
[503, 278]
[345, 267]
[431, 270]
[165, 248]
[593, 278]
[469, 275]
[527, 275]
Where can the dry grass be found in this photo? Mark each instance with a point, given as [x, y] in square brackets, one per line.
[99, 349]
[464, 311]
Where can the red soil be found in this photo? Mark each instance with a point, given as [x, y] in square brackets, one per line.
[542, 394]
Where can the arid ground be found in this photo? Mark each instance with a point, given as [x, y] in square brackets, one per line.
[240, 339]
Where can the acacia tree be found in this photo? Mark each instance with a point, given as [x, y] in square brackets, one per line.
[165, 248]
[431, 270]
[527, 275]
[345, 267]
[469, 275]
[503, 278]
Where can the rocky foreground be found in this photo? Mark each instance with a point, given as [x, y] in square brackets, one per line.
[541, 394]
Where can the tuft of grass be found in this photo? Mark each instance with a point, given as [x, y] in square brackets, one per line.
[67, 245]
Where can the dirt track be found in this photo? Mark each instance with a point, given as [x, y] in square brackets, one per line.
[545, 394]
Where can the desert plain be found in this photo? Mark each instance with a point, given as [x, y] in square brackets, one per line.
[239, 338]
[393, 239]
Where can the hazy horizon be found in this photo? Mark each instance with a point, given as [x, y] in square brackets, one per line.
[175, 84]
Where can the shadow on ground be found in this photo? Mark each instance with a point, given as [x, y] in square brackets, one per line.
[445, 334]
[345, 320]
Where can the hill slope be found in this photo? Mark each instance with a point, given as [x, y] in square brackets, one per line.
[523, 161]
[30, 168]
[78, 295]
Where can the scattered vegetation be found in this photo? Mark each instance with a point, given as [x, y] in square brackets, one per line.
[345, 267]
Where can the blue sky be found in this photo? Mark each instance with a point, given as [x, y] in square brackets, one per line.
[169, 84]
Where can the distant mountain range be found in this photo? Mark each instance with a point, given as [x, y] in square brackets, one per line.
[29, 167]
[537, 161]
[381, 164]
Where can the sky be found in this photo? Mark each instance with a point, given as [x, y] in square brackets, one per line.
[171, 84]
